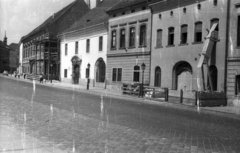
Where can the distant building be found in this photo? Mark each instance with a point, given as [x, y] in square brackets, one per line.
[178, 34]
[13, 57]
[84, 47]
[4, 55]
[129, 43]
[41, 50]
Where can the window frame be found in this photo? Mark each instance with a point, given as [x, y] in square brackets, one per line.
[100, 43]
[88, 46]
[143, 36]
[238, 32]
[117, 78]
[196, 32]
[122, 38]
[171, 36]
[114, 40]
[132, 40]
[76, 47]
[136, 72]
[159, 43]
[66, 49]
[184, 35]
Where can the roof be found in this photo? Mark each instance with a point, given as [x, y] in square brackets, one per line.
[14, 46]
[2, 44]
[51, 19]
[125, 3]
[93, 17]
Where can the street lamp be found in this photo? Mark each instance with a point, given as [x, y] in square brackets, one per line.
[143, 66]
[88, 80]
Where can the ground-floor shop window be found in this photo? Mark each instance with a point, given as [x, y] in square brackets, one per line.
[237, 85]
[117, 74]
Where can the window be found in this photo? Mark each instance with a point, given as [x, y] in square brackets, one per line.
[171, 36]
[88, 45]
[184, 10]
[132, 37]
[76, 47]
[160, 16]
[199, 6]
[144, 8]
[198, 32]
[136, 74]
[132, 11]
[171, 14]
[66, 49]
[114, 40]
[65, 73]
[87, 72]
[237, 85]
[117, 74]
[184, 34]
[114, 15]
[215, 21]
[142, 41]
[215, 2]
[100, 43]
[157, 81]
[123, 13]
[122, 38]
[238, 32]
[159, 38]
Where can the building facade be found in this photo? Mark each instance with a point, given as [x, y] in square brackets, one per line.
[129, 43]
[41, 48]
[13, 57]
[179, 29]
[233, 54]
[4, 55]
[84, 47]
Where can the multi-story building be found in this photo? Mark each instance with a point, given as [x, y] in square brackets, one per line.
[13, 57]
[4, 55]
[41, 50]
[233, 54]
[129, 43]
[179, 29]
[84, 47]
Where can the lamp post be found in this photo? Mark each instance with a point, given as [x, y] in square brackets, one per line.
[143, 66]
[88, 80]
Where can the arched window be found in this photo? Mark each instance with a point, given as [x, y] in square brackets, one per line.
[142, 41]
[136, 74]
[113, 40]
[157, 82]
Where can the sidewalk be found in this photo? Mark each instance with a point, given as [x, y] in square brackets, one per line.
[224, 109]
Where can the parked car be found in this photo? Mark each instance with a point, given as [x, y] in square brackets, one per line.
[5, 73]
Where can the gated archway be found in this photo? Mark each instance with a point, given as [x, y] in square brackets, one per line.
[182, 76]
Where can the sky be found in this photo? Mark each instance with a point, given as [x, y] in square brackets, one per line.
[20, 17]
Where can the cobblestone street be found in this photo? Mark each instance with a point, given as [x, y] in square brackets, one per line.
[81, 122]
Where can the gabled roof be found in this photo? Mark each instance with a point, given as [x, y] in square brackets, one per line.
[52, 19]
[125, 3]
[93, 17]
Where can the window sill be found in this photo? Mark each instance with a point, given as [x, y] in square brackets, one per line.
[131, 47]
[113, 49]
[200, 42]
[185, 44]
[170, 46]
[158, 47]
[142, 46]
[122, 48]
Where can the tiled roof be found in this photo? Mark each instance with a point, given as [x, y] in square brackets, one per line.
[53, 18]
[93, 17]
[125, 3]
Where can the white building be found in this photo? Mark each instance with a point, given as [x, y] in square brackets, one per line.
[84, 48]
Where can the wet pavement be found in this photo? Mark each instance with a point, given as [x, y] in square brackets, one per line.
[60, 120]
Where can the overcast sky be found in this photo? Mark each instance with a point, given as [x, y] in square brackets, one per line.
[19, 17]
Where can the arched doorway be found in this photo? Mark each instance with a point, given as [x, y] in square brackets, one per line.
[182, 76]
[100, 70]
[214, 76]
[157, 81]
[76, 71]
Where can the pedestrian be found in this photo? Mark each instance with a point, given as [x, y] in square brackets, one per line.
[24, 75]
[41, 78]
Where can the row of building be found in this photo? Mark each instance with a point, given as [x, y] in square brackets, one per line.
[108, 41]
[9, 56]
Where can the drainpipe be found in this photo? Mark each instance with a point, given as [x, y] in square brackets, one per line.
[227, 44]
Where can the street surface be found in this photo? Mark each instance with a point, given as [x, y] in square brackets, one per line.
[79, 121]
